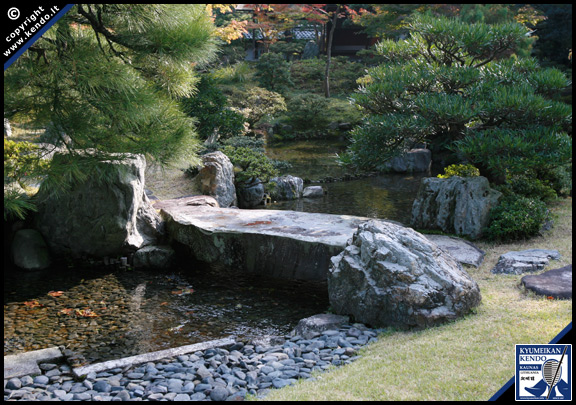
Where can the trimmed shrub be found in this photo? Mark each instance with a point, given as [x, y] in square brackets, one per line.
[530, 187]
[467, 170]
[256, 103]
[273, 72]
[250, 164]
[516, 217]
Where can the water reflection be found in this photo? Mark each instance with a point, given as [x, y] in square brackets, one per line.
[387, 196]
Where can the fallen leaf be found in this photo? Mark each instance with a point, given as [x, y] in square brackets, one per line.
[33, 304]
[55, 293]
[86, 313]
[164, 303]
[176, 328]
[66, 311]
[183, 291]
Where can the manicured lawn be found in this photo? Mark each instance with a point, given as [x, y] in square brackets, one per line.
[470, 359]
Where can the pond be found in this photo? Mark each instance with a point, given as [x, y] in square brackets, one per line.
[387, 196]
[103, 313]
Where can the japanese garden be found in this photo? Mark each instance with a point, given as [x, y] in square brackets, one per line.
[286, 201]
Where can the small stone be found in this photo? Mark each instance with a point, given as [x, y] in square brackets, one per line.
[219, 394]
[41, 379]
[82, 396]
[354, 332]
[202, 387]
[267, 369]
[26, 380]
[47, 366]
[182, 397]
[280, 382]
[101, 386]
[203, 372]
[159, 389]
[14, 384]
[138, 393]
[123, 395]
[198, 396]
[155, 397]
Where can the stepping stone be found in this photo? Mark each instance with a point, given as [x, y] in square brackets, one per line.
[463, 251]
[555, 283]
[531, 260]
[18, 365]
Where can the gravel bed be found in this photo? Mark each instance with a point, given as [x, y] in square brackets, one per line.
[218, 374]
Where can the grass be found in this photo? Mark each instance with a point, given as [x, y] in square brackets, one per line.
[470, 359]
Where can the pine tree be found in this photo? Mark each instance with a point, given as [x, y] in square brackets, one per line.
[457, 87]
[108, 77]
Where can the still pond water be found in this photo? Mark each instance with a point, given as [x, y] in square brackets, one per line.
[105, 313]
[387, 196]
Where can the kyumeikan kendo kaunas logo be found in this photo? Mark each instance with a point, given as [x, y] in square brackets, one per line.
[544, 372]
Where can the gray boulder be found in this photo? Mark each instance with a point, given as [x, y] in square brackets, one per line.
[519, 262]
[458, 205]
[159, 257]
[413, 161]
[286, 188]
[216, 178]
[389, 275]
[313, 192]
[314, 325]
[101, 219]
[29, 250]
[250, 195]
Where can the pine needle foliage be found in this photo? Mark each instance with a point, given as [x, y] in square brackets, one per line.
[462, 88]
[108, 77]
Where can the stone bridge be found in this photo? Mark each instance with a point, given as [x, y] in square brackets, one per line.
[284, 244]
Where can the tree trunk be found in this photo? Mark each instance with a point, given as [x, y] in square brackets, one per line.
[329, 54]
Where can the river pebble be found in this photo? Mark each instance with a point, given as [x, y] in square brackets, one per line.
[217, 374]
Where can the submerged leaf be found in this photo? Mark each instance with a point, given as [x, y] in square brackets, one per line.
[183, 291]
[33, 304]
[86, 313]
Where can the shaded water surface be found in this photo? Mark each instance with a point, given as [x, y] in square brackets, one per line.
[103, 314]
[387, 196]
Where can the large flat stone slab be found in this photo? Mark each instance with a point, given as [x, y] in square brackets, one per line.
[285, 244]
[463, 251]
[18, 365]
[555, 283]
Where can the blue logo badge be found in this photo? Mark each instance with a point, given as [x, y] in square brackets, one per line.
[544, 372]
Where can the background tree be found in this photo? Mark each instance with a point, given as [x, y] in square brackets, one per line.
[555, 35]
[109, 77]
[456, 86]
